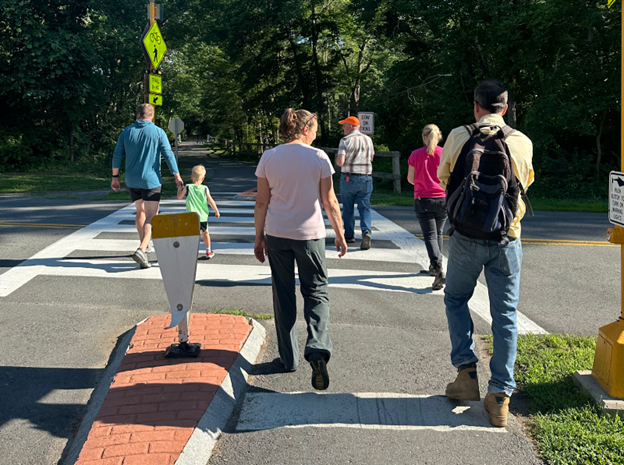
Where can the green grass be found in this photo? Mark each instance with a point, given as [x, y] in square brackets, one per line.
[569, 205]
[237, 312]
[49, 181]
[566, 425]
[384, 195]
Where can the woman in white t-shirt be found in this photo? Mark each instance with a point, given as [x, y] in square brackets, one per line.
[294, 179]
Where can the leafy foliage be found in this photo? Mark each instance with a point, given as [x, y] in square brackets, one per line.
[71, 74]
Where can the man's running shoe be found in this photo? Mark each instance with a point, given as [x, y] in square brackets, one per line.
[141, 258]
[209, 255]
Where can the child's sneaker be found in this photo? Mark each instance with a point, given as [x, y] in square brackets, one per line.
[209, 255]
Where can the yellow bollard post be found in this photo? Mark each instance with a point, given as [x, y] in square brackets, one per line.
[608, 367]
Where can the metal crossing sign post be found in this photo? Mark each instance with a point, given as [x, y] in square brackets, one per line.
[176, 240]
[176, 126]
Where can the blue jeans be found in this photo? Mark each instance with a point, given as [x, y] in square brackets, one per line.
[358, 190]
[467, 257]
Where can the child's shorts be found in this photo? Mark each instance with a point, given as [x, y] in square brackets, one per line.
[203, 226]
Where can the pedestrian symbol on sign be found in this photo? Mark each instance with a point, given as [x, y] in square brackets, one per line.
[154, 45]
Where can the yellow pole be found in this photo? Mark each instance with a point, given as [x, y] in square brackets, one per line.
[608, 367]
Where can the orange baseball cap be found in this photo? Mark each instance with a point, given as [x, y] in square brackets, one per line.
[351, 120]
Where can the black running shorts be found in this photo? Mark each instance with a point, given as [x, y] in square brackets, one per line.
[149, 195]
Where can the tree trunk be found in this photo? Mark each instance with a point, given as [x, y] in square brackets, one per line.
[319, 83]
[72, 157]
[300, 78]
[511, 113]
[598, 146]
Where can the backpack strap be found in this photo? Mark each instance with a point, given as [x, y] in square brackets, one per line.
[507, 131]
[472, 129]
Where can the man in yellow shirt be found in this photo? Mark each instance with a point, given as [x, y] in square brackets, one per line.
[469, 256]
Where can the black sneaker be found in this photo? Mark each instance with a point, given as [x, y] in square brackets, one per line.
[141, 258]
[432, 270]
[439, 281]
[366, 241]
[320, 377]
[350, 240]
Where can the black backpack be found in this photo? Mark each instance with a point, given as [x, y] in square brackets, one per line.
[483, 190]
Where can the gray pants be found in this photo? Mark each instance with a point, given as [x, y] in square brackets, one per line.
[310, 258]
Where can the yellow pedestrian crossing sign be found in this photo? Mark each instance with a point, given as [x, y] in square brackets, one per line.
[154, 45]
[155, 84]
[155, 99]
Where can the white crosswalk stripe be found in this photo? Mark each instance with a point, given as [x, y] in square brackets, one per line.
[407, 249]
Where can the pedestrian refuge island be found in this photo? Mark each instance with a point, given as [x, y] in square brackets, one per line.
[176, 240]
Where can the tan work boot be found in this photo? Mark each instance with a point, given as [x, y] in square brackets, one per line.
[497, 405]
[465, 386]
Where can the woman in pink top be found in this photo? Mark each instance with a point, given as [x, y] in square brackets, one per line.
[429, 199]
[294, 179]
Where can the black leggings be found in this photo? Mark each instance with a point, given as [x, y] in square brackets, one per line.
[431, 214]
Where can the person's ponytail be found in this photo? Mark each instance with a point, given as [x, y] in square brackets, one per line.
[432, 135]
[292, 124]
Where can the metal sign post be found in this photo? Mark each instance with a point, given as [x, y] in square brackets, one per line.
[176, 126]
[176, 240]
[608, 367]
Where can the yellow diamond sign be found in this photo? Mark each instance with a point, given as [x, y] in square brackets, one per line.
[155, 84]
[154, 45]
[155, 99]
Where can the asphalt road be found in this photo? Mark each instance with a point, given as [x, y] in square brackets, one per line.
[57, 332]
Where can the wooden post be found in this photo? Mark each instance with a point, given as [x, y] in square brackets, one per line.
[152, 18]
[396, 170]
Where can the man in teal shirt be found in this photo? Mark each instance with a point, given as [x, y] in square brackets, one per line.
[142, 143]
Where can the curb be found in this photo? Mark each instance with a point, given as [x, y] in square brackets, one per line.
[201, 443]
[97, 398]
[611, 405]
[194, 441]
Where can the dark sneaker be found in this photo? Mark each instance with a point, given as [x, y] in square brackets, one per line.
[141, 258]
[432, 270]
[497, 406]
[439, 281]
[366, 241]
[350, 240]
[320, 377]
[466, 385]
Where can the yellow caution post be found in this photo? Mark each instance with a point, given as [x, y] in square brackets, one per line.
[608, 367]
[176, 240]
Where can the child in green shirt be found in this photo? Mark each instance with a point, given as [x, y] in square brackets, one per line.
[196, 196]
